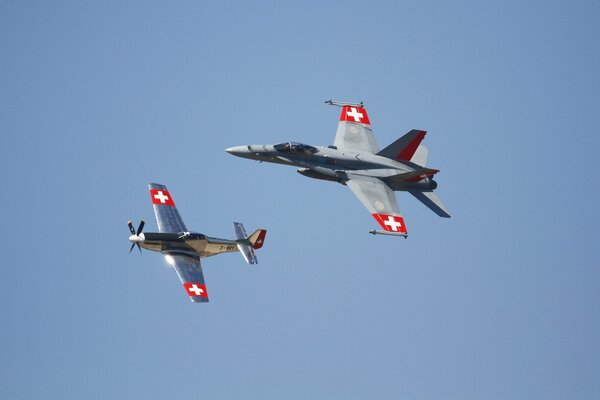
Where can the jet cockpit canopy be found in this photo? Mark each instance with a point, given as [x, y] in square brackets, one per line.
[295, 147]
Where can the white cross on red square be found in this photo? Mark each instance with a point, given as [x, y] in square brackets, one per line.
[161, 197]
[195, 289]
[355, 114]
[391, 223]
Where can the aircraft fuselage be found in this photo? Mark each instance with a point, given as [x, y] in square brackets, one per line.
[188, 243]
[329, 163]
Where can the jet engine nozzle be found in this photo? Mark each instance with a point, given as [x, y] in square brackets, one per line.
[424, 184]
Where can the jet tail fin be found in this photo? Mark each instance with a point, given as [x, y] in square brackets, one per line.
[420, 156]
[247, 244]
[431, 200]
[405, 147]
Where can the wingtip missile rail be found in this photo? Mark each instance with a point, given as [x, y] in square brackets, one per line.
[344, 103]
[377, 232]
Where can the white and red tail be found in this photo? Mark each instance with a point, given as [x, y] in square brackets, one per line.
[406, 147]
[257, 239]
[247, 244]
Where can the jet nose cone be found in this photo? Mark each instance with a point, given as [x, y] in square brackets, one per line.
[237, 150]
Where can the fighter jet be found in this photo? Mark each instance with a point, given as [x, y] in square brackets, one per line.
[356, 161]
[183, 249]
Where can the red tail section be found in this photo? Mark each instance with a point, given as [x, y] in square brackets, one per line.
[411, 147]
[405, 147]
[260, 240]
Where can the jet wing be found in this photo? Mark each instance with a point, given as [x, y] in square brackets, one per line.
[190, 274]
[167, 216]
[380, 200]
[354, 131]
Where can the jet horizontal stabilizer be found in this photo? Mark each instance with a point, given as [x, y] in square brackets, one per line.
[430, 199]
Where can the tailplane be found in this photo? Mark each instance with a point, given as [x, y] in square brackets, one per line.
[431, 200]
[247, 244]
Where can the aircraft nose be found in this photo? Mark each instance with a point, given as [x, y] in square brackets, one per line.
[136, 238]
[237, 150]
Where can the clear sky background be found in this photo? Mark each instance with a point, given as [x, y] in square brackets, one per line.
[97, 99]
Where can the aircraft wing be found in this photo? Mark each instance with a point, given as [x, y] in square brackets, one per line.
[380, 200]
[167, 216]
[190, 274]
[354, 131]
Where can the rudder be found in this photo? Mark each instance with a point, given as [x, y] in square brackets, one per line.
[405, 147]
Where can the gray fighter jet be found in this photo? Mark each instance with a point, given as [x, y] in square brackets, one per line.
[355, 160]
[183, 249]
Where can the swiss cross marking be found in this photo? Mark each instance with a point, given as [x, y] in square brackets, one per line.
[392, 223]
[195, 290]
[160, 196]
[354, 113]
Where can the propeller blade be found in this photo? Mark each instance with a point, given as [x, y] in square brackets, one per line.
[130, 225]
[131, 248]
[140, 228]
[139, 248]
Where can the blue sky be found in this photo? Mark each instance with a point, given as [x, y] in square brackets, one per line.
[99, 99]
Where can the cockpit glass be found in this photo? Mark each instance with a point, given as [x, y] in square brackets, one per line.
[285, 147]
[294, 147]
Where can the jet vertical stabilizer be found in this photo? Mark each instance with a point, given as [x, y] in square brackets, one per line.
[405, 147]
[420, 156]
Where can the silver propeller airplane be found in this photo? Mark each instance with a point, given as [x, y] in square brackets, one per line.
[183, 249]
[355, 160]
